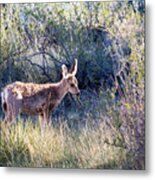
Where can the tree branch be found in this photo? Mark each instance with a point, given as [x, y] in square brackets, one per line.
[40, 67]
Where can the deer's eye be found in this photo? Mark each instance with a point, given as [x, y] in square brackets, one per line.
[72, 85]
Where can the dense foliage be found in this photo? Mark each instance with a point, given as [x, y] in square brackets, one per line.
[107, 38]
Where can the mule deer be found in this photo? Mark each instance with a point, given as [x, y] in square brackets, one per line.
[38, 99]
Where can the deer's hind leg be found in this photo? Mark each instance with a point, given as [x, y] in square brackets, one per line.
[16, 108]
[11, 104]
[7, 112]
[11, 111]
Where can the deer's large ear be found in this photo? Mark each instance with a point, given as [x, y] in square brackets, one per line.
[74, 68]
[64, 71]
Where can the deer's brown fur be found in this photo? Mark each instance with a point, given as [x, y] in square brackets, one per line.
[38, 99]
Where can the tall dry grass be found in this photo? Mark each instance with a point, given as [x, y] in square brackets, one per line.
[23, 145]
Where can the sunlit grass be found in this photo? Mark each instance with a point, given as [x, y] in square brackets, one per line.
[27, 145]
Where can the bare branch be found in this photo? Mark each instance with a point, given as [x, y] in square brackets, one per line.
[40, 67]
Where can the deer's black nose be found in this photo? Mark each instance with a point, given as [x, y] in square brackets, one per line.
[78, 93]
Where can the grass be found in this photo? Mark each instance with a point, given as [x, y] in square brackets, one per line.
[26, 145]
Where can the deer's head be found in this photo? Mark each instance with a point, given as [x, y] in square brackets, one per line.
[70, 79]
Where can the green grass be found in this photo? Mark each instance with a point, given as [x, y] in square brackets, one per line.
[26, 145]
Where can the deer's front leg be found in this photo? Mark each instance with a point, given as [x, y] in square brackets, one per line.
[45, 118]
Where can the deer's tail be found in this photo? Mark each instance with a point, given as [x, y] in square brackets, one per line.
[4, 99]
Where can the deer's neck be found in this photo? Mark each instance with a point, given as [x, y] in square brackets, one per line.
[62, 89]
